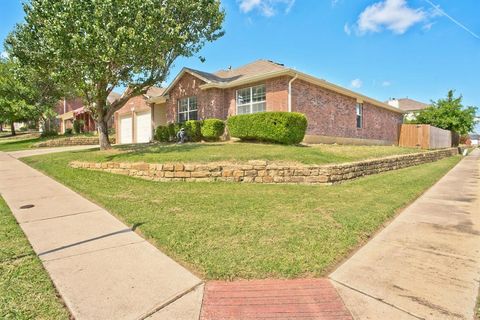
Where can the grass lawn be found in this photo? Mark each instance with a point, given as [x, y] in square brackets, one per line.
[26, 291]
[232, 231]
[26, 141]
[237, 151]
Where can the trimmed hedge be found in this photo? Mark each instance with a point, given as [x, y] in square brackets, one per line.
[212, 129]
[276, 127]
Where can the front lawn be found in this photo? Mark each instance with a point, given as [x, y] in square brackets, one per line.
[27, 141]
[231, 231]
[26, 291]
[238, 152]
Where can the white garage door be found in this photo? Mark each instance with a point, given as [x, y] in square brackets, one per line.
[126, 129]
[144, 127]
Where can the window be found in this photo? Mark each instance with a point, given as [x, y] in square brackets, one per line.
[187, 109]
[359, 112]
[251, 100]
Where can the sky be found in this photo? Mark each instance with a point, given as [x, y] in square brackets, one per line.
[381, 48]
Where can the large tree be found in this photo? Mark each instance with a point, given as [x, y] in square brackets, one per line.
[98, 45]
[449, 114]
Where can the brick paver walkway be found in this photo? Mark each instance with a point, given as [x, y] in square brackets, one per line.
[273, 299]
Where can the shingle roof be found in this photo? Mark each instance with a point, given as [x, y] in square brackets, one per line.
[155, 91]
[258, 67]
[407, 104]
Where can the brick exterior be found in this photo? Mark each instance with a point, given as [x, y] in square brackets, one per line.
[332, 114]
[138, 104]
[329, 113]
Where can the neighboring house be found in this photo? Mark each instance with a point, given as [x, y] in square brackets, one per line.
[334, 114]
[410, 106]
[135, 121]
[473, 139]
[72, 109]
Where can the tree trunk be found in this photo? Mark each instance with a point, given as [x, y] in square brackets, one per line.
[103, 134]
[12, 128]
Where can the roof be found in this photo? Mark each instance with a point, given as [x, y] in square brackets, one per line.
[407, 104]
[155, 91]
[261, 70]
[113, 96]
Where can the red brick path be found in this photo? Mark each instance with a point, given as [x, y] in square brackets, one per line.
[273, 299]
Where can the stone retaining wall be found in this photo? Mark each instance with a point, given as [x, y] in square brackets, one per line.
[264, 171]
[70, 141]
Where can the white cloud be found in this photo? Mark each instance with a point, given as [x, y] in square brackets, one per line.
[267, 8]
[335, 2]
[393, 15]
[347, 29]
[356, 83]
[386, 83]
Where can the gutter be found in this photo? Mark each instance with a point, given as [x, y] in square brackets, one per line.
[290, 92]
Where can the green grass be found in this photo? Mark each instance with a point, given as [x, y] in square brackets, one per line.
[231, 231]
[27, 141]
[26, 291]
[238, 152]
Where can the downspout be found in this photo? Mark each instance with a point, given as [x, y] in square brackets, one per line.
[290, 92]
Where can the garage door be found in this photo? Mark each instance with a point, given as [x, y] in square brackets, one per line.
[126, 129]
[144, 127]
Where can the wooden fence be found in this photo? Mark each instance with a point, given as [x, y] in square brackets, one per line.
[426, 137]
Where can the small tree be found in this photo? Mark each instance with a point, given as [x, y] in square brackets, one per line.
[97, 45]
[449, 114]
[14, 96]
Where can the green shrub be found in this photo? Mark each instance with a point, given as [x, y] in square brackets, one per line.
[23, 129]
[173, 128]
[212, 129]
[276, 127]
[78, 125]
[193, 128]
[162, 134]
[48, 134]
[68, 131]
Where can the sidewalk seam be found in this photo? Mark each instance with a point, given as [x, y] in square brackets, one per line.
[62, 216]
[170, 301]
[378, 299]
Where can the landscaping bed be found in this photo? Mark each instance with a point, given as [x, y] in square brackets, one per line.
[71, 141]
[244, 231]
[239, 152]
[259, 171]
[26, 289]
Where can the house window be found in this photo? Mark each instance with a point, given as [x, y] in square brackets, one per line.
[359, 112]
[187, 109]
[251, 100]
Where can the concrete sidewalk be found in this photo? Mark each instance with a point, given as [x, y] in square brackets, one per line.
[426, 263]
[39, 151]
[101, 268]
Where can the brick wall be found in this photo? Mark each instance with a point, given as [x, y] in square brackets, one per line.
[264, 171]
[333, 114]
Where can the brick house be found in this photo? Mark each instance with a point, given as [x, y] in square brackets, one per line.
[334, 114]
[72, 109]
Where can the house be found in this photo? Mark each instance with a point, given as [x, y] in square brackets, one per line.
[72, 109]
[135, 121]
[335, 114]
[473, 139]
[410, 106]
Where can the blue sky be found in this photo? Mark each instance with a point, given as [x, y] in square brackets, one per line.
[381, 48]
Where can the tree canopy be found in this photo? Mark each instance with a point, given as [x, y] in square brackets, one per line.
[449, 114]
[98, 45]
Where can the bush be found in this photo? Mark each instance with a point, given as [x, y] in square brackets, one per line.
[78, 125]
[49, 134]
[276, 127]
[23, 129]
[173, 128]
[68, 131]
[193, 128]
[162, 134]
[212, 129]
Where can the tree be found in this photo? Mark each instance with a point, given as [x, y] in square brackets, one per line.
[25, 94]
[14, 96]
[98, 45]
[449, 114]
